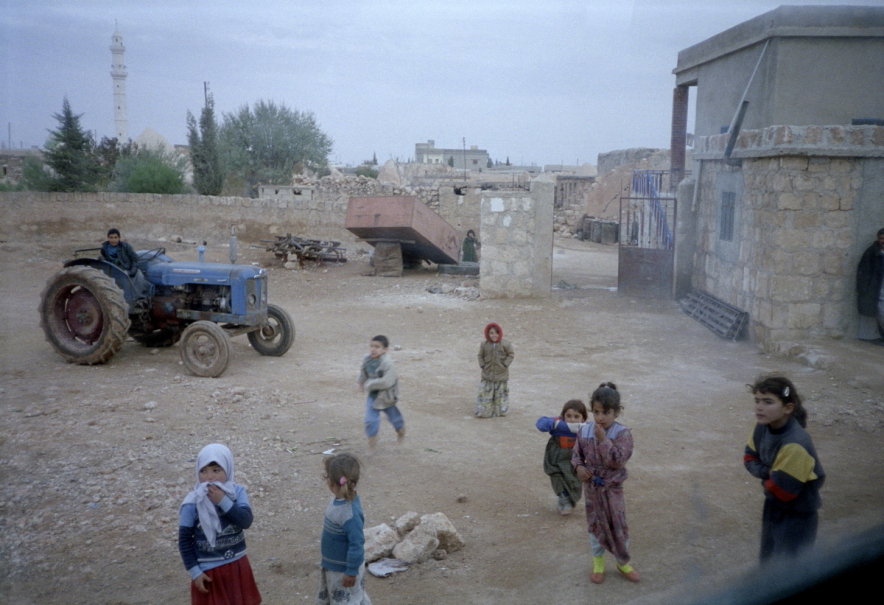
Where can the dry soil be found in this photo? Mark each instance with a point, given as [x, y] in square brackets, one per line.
[94, 461]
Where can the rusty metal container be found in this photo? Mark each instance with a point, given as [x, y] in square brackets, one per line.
[423, 234]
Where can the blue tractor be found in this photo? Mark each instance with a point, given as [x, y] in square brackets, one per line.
[89, 307]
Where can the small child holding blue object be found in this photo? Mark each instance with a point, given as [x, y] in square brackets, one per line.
[559, 449]
[342, 573]
[781, 454]
[378, 376]
[211, 521]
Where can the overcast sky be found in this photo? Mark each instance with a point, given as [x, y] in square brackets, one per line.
[538, 81]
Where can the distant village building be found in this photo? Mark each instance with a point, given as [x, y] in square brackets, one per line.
[788, 166]
[469, 159]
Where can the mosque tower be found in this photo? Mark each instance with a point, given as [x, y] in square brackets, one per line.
[118, 73]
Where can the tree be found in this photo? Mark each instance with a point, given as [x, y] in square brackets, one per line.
[208, 177]
[68, 154]
[490, 163]
[451, 161]
[149, 171]
[374, 159]
[263, 145]
[107, 153]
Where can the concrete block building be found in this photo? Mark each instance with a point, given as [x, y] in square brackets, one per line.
[788, 167]
[461, 159]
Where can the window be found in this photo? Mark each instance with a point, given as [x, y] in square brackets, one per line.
[726, 229]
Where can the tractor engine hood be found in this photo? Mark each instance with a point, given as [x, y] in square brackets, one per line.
[214, 274]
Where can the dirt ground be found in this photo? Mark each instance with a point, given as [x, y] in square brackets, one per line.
[94, 461]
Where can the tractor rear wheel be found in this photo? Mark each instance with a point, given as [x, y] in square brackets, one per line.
[205, 348]
[275, 337]
[84, 315]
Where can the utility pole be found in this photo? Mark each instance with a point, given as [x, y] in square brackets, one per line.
[464, 160]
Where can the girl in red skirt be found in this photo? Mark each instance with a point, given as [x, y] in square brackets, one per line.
[211, 521]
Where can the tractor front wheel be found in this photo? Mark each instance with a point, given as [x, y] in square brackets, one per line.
[205, 349]
[84, 315]
[275, 337]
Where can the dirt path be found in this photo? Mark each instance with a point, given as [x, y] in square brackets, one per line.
[95, 460]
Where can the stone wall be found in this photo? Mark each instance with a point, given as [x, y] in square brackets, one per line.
[801, 223]
[657, 159]
[517, 240]
[460, 207]
[151, 217]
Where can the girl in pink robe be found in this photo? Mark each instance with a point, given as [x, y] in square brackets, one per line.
[603, 447]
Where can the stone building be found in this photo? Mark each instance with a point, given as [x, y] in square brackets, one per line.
[788, 167]
[461, 159]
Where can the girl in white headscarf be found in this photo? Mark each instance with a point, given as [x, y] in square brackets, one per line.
[211, 541]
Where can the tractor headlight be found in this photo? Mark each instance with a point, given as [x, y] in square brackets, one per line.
[252, 300]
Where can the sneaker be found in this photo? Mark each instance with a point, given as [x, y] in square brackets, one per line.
[563, 504]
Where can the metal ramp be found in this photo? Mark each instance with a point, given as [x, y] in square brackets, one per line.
[725, 320]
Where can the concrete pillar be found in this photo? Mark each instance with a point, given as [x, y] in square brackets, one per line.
[677, 142]
[685, 240]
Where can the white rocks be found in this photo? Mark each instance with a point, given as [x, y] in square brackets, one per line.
[415, 539]
[417, 546]
[444, 530]
[407, 522]
[379, 541]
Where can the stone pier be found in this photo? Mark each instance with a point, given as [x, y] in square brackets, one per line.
[517, 242]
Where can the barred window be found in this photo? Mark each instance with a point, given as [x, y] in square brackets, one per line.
[726, 230]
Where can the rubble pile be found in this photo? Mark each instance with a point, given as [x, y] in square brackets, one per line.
[412, 539]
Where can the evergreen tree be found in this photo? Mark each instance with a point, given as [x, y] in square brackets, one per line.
[451, 161]
[69, 155]
[208, 177]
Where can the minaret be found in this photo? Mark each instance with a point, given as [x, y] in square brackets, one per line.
[118, 73]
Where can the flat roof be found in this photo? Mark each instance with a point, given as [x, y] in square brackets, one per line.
[787, 22]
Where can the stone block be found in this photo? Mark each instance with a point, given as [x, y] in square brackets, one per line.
[781, 182]
[804, 315]
[789, 201]
[379, 542]
[779, 315]
[846, 201]
[790, 288]
[820, 287]
[843, 238]
[840, 165]
[833, 317]
[447, 535]
[818, 165]
[792, 239]
[803, 182]
[832, 262]
[835, 220]
[792, 162]
[417, 546]
[805, 220]
[829, 202]
[822, 240]
[410, 520]
[806, 263]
